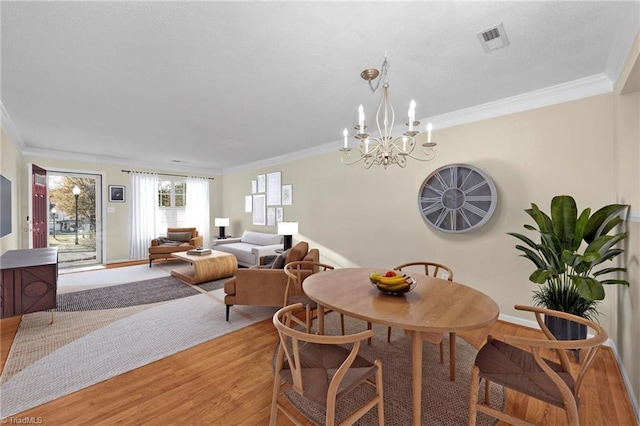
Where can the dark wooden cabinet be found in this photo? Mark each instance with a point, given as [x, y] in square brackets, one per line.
[29, 281]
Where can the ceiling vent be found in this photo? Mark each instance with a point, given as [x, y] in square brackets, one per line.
[493, 38]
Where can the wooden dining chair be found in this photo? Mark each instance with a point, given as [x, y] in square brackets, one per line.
[526, 371]
[322, 369]
[436, 270]
[297, 272]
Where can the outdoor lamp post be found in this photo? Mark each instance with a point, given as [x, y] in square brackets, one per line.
[53, 219]
[76, 193]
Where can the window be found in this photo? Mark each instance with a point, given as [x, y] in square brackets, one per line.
[172, 193]
[172, 199]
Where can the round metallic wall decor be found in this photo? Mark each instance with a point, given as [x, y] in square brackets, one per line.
[457, 198]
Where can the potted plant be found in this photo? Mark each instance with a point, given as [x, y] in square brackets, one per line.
[570, 280]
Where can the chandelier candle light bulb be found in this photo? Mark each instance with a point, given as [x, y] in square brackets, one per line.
[345, 133]
[429, 128]
[361, 119]
[412, 114]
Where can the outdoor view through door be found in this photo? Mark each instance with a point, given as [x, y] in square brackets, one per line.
[74, 215]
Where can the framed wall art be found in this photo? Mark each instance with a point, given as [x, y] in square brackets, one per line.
[116, 193]
[287, 195]
[271, 216]
[273, 188]
[259, 212]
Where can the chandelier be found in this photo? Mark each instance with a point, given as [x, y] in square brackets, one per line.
[385, 149]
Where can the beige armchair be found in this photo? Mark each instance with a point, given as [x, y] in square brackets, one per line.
[266, 286]
[177, 239]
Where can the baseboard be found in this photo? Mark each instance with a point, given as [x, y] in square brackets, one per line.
[627, 383]
[609, 343]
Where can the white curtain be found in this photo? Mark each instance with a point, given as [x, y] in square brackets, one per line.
[142, 214]
[197, 208]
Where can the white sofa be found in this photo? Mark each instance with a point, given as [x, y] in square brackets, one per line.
[251, 248]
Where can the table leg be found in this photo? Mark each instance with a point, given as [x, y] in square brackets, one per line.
[416, 347]
[320, 319]
[452, 356]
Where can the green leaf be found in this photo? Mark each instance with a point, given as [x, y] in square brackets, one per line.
[564, 215]
[530, 228]
[608, 255]
[542, 219]
[603, 221]
[523, 238]
[532, 256]
[539, 276]
[605, 242]
[621, 282]
[608, 271]
[580, 227]
[588, 287]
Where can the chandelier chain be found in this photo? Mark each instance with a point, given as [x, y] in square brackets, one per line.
[384, 68]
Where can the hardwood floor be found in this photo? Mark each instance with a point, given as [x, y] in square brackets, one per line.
[228, 381]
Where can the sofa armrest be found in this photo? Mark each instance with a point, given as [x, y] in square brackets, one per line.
[197, 241]
[226, 241]
[262, 251]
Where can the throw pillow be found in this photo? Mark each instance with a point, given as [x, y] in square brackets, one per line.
[179, 236]
[280, 261]
[298, 252]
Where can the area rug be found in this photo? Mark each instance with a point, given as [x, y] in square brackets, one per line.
[84, 347]
[444, 403]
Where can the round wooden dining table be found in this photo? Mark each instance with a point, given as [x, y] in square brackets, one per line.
[433, 305]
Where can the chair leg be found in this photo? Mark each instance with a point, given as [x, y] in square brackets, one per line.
[369, 328]
[473, 394]
[380, 392]
[274, 400]
[487, 389]
[452, 356]
[228, 308]
[308, 319]
[150, 260]
[388, 334]
[442, 352]
[342, 323]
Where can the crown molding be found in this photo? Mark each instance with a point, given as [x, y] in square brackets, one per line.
[625, 38]
[577, 89]
[120, 162]
[327, 148]
[10, 129]
[585, 87]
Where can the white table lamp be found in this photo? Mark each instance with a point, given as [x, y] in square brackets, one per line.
[221, 222]
[287, 229]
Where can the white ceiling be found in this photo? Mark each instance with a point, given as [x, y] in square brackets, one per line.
[218, 85]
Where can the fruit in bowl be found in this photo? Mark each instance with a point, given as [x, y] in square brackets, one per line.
[392, 283]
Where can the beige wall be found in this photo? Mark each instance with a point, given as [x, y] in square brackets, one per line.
[10, 164]
[626, 318]
[116, 224]
[370, 217]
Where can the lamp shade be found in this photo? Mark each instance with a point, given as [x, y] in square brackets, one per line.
[221, 221]
[287, 228]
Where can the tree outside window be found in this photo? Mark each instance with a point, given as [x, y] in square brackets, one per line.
[172, 194]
